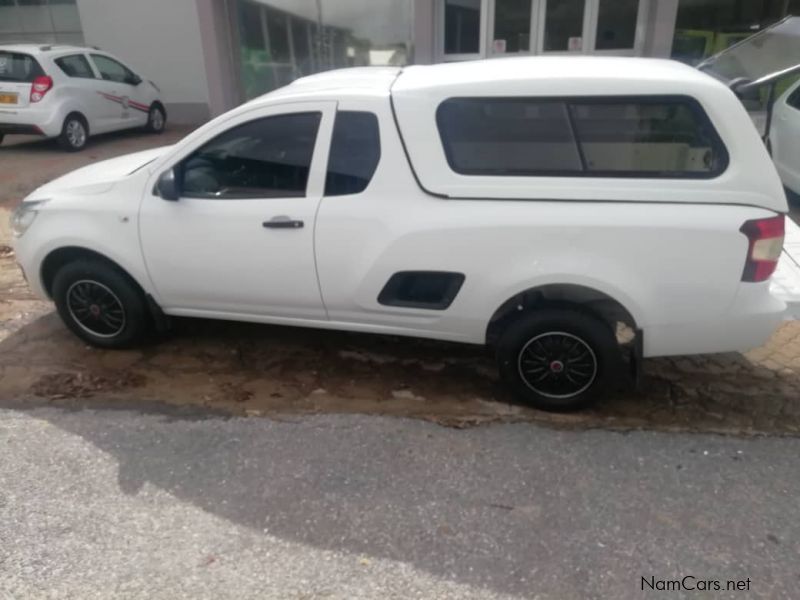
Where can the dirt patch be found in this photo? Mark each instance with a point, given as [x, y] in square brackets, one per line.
[60, 386]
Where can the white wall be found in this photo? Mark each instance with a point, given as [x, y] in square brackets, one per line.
[160, 40]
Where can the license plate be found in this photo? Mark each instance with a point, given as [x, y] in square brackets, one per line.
[8, 98]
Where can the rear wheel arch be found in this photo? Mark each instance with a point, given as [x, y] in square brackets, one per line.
[82, 117]
[585, 299]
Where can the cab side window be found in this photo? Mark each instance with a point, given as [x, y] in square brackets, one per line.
[355, 152]
[75, 65]
[265, 158]
[111, 70]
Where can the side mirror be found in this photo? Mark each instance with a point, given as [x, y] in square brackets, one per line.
[167, 186]
[133, 80]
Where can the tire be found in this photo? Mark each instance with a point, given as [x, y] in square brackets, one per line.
[100, 304]
[535, 351]
[1, 137]
[74, 133]
[156, 119]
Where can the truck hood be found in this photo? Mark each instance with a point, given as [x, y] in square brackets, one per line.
[99, 177]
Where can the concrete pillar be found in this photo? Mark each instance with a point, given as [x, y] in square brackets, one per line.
[424, 32]
[216, 22]
[660, 28]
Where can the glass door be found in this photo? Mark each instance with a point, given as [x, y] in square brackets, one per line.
[462, 29]
[563, 25]
[471, 29]
[511, 23]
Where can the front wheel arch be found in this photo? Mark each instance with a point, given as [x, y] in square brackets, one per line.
[56, 259]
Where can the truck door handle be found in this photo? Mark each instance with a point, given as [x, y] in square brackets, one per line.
[283, 222]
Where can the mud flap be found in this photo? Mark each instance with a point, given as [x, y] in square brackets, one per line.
[637, 360]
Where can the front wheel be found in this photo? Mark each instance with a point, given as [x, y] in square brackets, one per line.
[100, 304]
[558, 359]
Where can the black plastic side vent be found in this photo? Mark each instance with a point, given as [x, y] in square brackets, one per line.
[434, 290]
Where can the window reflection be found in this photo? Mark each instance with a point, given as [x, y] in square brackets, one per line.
[281, 40]
[462, 26]
[44, 21]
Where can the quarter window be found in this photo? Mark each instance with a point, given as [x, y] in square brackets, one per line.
[355, 152]
[266, 158]
[75, 65]
[654, 137]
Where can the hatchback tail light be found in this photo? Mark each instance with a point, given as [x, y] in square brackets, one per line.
[766, 244]
[41, 85]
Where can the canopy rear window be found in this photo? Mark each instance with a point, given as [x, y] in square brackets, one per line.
[18, 67]
[652, 136]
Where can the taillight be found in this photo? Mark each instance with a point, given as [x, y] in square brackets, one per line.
[766, 244]
[41, 85]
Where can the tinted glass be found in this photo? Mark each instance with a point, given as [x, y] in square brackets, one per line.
[564, 25]
[507, 136]
[355, 152]
[512, 26]
[794, 99]
[266, 158]
[603, 137]
[616, 24]
[111, 70]
[18, 67]
[75, 66]
[659, 137]
[462, 26]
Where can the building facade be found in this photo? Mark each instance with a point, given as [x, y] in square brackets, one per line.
[210, 55]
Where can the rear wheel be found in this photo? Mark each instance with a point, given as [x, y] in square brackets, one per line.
[156, 119]
[99, 304]
[1, 138]
[558, 359]
[74, 133]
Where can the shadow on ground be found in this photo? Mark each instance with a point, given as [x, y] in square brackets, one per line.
[255, 370]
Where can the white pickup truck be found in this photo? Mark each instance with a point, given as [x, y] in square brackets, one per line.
[538, 205]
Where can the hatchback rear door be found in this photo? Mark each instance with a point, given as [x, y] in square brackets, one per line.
[17, 72]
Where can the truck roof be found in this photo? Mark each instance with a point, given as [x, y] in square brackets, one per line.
[567, 73]
[575, 72]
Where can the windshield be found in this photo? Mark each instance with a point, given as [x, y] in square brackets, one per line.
[773, 49]
[18, 67]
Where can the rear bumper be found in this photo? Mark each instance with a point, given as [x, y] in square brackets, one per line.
[34, 121]
[749, 323]
[21, 129]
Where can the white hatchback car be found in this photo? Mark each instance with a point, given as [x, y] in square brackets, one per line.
[70, 93]
[532, 204]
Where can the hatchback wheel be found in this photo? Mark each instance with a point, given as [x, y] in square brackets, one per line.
[100, 304]
[558, 359]
[74, 134]
[156, 119]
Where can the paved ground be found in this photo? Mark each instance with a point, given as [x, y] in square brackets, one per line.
[116, 504]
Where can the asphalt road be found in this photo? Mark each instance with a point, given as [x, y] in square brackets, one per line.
[117, 504]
